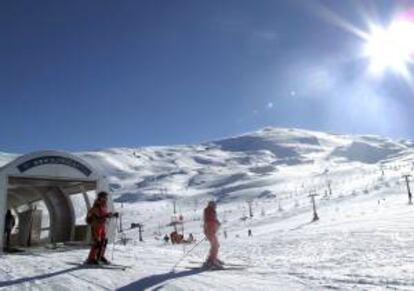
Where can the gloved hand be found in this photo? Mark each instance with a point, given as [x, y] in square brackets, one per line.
[115, 214]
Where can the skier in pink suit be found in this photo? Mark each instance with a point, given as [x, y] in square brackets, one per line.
[211, 225]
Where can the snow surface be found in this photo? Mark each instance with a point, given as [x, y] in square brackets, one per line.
[363, 240]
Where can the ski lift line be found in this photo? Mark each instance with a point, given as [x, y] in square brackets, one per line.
[368, 187]
[142, 223]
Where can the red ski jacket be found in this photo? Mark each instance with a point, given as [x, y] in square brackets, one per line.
[211, 224]
[98, 214]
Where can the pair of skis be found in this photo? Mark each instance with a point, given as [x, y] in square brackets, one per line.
[194, 266]
[223, 267]
[102, 266]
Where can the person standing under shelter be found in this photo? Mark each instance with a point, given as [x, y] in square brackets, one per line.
[10, 221]
[211, 225]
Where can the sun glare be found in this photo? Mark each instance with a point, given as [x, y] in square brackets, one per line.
[391, 48]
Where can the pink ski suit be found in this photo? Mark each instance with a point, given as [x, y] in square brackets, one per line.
[211, 225]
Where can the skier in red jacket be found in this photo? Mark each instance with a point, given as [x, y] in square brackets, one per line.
[96, 217]
[211, 225]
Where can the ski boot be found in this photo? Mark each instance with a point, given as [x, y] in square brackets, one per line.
[104, 261]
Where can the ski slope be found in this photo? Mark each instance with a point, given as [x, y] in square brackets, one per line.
[358, 244]
[363, 240]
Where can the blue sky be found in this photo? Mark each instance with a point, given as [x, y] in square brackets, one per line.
[83, 75]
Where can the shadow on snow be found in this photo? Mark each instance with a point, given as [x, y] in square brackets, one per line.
[37, 277]
[154, 280]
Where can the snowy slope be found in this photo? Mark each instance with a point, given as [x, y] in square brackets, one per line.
[245, 165]
[358, 244]
[225, 169]
[362, 241]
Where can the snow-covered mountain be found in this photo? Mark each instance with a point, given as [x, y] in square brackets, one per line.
[272, 159]
[265, 162]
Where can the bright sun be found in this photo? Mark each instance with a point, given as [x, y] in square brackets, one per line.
[391, 48]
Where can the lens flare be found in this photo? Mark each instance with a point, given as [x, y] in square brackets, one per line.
[388, 48]
[391, 48]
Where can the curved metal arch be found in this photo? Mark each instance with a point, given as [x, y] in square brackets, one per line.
[39, 158]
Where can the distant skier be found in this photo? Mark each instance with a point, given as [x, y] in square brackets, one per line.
[10, 221]
[190, 238]
[249, 232]
[166, 238]
[97, 217]
[211, 225]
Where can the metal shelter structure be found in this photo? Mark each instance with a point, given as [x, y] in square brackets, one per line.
[53, 179]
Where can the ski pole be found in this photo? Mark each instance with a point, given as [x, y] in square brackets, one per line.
[113, 244]
[183, 256]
